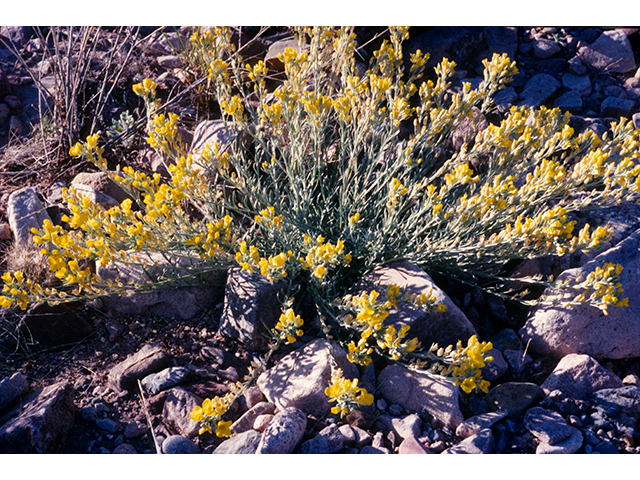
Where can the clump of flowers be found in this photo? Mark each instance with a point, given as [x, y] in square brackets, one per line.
[346, 394]
[210, 415]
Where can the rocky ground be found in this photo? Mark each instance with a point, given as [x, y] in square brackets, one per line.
[69, 376]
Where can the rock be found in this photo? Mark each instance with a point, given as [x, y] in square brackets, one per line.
[328, 440]
[368, 449]
[25, 211]
[271, 59]
[17, 35]
[468, 128]
[125, 448]
[88, 413]
[481, 442]
[546, 425]
[409, 426]
[40, 423]
[474, 425]
[209, 132]
[262, 422]
[300, 378]
[177, 444]
[5, 85]
[502, 40]
[242, 443]
[12, 388]
[518, 360]
[252, 396]
[459, 44]
[611, 52]
[250, 306]
[247, 420]
[505, 98]
[538, 90]
[616, 107]
[615, 400]
[95, 196]
[108, 425]
[100, 182]
[559, 331]
[606, 448]
[283, 433]
[444, 328]
[569, 101]
[54, 326]
[135, 430]
[568, 446]
[410, 445]
[169, 61]
[515, 398]
[578, 376]
[165, 379]
[149, 359]
[417, 392]
[544, 48]
[576, 66]
[177, 407]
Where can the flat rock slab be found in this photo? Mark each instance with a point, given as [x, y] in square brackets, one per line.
[149, 359]
[515, 398]
[559, 331]
[165, 379]
[243, 443]
[546, 425]
[578, 376]
[616, 400]
[567, 446]
[611, 52]
[41, 424]
[481, 442]
[419, 392]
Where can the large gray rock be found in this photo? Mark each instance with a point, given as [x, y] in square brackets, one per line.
[177, 444]
[417, 392]
[149, 359]
[611, 52]
[444, 328]
[41, 423]
[25, 211]
[578, 376]
[538, 90]
[251, 306]
[559, 331]
[243, 443]
[177, 407]
[283, 433]
[300, 378]
[11, 388]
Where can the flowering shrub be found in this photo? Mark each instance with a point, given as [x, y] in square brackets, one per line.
[328, 187]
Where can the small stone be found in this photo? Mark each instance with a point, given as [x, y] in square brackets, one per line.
[514, 397]
[348, 434]
[88, 413]
[481, 442]
[12, 388]
[177, 407]
[538, 90]
[362, 436]
[518, 360]
[606, 448]
[125, 448]
[247, 420]
[395, 410]
[569, 101]
[543, 48]
[177, 444]
[108, 425]
[283, 433]
[495, 368]
[381, 405]
[578, 376]
[616, 107]
[135, 430]
[25, 211]
[568, 446]
[149, 359]
[244, 443]
[165, 379]
[546, 425]
[631, 379]
[411, 446]
[475, 424]
[368, 450]
[262, 422]
[576, 66]
[329, 440]
[169, 61]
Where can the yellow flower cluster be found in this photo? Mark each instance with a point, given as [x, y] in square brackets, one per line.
[602, 288]
[90, 151]
[321, 256]
[164, 136]
[288, 326]
[146, 89]
[210, 415]
[396, 191]
[347, 395]
[392, 340]
[269, 219]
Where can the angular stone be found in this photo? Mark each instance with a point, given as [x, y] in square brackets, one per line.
[250, 307]
[328, 440]
[209, 132]
[569, 101]
[419, 392]
[262, 422]
[177, 407]
[101, 182]
[578, 376]
[149, 359]
[444, 328]
[409, 426]
[515, 398]
[468, 128]
[169, 61]
[611, 52]
[615, 400]
[247, 420]
[108, 425]
[544, 48]
[11, 388]
[165, 379]
[616, 107]
[411, 446]
[505, 98]
[85, 191]
[546, 425]
[559, 331]
[245, 443]
[474, 425]
[300, 378]
[518, 360]
[368, 450]
[568, 446]
[25, 211]
[283, 433]
[538, 90]
[177, 444]
[481, 442]
[41, 423]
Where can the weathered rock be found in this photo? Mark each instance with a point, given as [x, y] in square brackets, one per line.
[283, 433]
[300, 378]
[53, 326]
[467, 129]
[611, 52]
[616, 400]
[411, 446]
[177, 407]
[546, 425]
[165, 379]
[505, 98]
[474, 425]
[481, 442]
[25, 211]
[538, 90]
[125, 448]
[262, 422]
[41, 423]
[444, 328]
[568, 446]
[5, 84]
[242, 443]
[544, 48]
[247, 420]
[570, 101]
[515, 398]
[518, 360]
[85, 191]
[149, 359]
[11, 388]
[369, 449]
[271, 59]
[209, 132]
[578, 376]
[328, 440]
[108, 425]
[135, 430]
[169, 61]
[100, 182]
[409, 426]
[419, 392]
[177, 444]
[616, 107]
[250, 306]
[559, 331]
[460, 44]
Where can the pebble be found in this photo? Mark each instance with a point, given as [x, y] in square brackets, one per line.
[546, 425]
[108, 425]
[475, 424]
[381, 404]
[481, 442]
[177, 444]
